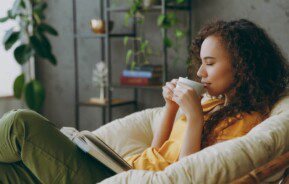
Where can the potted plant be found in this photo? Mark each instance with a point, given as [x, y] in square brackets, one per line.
[138, 55]
[30, 36]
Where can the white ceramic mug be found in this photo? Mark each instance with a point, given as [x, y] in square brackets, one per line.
[198, 87]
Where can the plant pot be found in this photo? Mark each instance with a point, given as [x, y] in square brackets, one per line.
[98, 26]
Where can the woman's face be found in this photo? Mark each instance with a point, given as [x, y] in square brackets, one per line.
[216, 71]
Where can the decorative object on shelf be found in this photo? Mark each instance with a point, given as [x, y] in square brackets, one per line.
[31, 40]
[99, 78]
[144, 75]
[98, 25]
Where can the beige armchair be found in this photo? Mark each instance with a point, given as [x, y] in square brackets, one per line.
[220, 163]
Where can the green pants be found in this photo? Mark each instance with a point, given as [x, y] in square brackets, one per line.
[33, 150]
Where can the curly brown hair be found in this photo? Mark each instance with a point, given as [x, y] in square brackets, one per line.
[260, 70]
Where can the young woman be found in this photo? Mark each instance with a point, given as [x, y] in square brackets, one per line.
[238, 62]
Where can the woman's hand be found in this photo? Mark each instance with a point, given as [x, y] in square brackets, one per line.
[189, 101]
[168, 94]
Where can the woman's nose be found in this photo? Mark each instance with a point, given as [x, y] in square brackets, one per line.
[201, 72]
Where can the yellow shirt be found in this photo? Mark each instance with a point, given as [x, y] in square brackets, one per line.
[156, 159]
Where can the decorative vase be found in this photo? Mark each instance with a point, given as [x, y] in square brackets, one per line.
[98, 25]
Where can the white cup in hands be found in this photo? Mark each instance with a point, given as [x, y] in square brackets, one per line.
[198, 87]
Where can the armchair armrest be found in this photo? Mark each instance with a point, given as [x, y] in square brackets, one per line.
[132, 134]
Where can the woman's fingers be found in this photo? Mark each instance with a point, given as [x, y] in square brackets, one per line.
[170, 85]
[167, 92]
[174, 81]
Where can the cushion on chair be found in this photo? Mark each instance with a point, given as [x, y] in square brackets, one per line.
[219, 163]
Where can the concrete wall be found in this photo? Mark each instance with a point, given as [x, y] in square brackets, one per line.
[271, 15]
[59, 81]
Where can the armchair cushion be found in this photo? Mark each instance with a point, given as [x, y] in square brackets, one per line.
[220, 163]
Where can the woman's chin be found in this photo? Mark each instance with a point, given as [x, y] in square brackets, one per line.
[211, 93]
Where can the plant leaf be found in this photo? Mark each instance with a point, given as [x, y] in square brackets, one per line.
[22, 4]
[4, 19]
[132, 65]
[44, 41]
[10, 39]
[41, 49]
[144, 45]
[167, 42]
[18, 86]
[128, 55]
[52, 59]
[179, 33]
[125, 40]
[180, 1]
[10, 14]
[161, 19]
[47, 28]
[40, 7]
[34, 95]
[23, 53]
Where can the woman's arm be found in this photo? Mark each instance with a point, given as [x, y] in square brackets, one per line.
[165, 127]
[192, 137]
[189, 101]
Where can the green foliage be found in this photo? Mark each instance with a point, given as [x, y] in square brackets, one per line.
[167, 42]
[34, 95]
[134, 12]
[164, 21]
[30, 42]
[23, 53]
[167, 20]
[128, 56]
[10, 38]
[19, 85]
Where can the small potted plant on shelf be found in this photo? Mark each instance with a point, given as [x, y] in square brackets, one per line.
[99, 79]
[138, 55]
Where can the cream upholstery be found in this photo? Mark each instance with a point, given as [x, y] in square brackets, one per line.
[220, 163]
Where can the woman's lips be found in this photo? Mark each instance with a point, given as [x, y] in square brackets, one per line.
[206, 84]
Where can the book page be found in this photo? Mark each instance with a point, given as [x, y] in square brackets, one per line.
[91, 144]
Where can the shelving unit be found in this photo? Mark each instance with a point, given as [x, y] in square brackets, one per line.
[105, 39]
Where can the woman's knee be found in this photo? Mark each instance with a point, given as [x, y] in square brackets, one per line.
[24, 119]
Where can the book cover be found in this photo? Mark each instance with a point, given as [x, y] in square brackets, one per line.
[139, 81]
[143, 74]
[95, 147]
[150, 68]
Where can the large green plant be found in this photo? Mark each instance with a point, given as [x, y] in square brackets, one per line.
[30, 40]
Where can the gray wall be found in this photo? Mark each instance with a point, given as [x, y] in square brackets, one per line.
[59, 81]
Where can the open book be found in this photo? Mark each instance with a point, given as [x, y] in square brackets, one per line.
[94, 146]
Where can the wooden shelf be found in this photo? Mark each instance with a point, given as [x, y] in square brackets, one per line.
[153, 8]
[115, 102]
[101, 36]
[153, 87]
